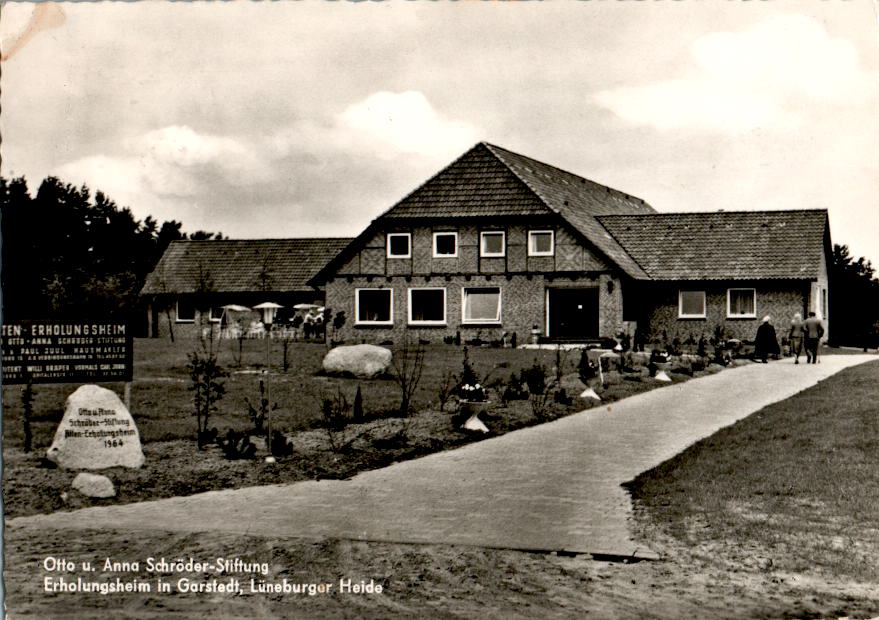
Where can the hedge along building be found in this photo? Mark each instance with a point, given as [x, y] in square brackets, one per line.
[194, 279]
[500, 243]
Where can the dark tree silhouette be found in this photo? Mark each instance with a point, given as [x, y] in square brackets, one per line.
[66, 254]
[854, 300]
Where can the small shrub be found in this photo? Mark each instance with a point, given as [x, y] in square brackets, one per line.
[515, 389]
[469, 387]
[357, 410]
[260, 413]
[205, 374]
[535, 378]
[587, 369]
[561, 397]
[236, 445]
[447, 387]
[407, 366]
[281, 446]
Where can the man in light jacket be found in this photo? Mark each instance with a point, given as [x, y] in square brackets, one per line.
[813, 330]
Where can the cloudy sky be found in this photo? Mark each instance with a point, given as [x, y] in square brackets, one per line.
[310, 118]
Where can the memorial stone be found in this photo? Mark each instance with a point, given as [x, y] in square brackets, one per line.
[96, 432]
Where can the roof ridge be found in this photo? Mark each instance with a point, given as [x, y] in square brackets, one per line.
[247, 240]
[716, 212]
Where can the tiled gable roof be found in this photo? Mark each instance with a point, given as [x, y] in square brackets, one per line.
[237, 265]
[490, 181]
[741, 245]
[475, 184]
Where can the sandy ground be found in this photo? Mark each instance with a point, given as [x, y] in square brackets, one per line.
[428, 581]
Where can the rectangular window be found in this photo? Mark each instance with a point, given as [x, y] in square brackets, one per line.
[185, 311]
[427, 306]
[216, 313]
[492, 243]
[399, 245]
[540, 243]
[374, 306]
[741, 303]
[691, 305]
[445, 244]
[481, 305]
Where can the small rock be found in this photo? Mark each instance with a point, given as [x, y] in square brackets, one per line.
[662, 376]
[94, 485]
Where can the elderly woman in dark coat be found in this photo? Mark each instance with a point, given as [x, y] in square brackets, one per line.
[766, 342]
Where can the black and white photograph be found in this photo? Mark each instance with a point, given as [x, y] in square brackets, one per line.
[440, 309]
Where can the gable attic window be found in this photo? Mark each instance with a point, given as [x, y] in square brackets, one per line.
[741, 303]
[492, 243]
[399, 245]
[374, 306]
[540, 243]
[481, 305]
[445, 244]
[427, 306]
[185, 311]
[691, 305]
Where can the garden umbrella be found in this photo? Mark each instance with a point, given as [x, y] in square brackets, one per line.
[268, 309]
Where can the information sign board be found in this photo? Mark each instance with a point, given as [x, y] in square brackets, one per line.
[66, 352]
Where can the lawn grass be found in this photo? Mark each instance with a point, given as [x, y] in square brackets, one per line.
[796, 484]
[161, 405]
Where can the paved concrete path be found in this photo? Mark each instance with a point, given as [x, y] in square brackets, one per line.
[551, 487]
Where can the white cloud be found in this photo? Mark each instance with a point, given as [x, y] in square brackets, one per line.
[765, 76]
[178, 172]
[406, 123]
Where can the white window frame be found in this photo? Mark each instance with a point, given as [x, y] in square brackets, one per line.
[357, 320]
[427, 288]
[408, 239]
[439, 233]
[681, 314]
[500, 254]
[212, 318]
[532, 251]
[500, 306]
[177, 318]
[729, 313]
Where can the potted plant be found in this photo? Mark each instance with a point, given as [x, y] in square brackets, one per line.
[472, 398]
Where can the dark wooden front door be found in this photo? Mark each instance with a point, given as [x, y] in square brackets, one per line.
[573, 313]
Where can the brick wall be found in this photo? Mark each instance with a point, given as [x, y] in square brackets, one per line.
[780, 300]
[523, 300]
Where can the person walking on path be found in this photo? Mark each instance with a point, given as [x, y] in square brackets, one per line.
[795, 336]
[766, 342]
[812, 333]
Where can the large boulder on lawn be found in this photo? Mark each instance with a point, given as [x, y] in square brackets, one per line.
[96, 432]
[364, 361]
[94, 485]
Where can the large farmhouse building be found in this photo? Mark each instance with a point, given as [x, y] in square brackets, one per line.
[499, 244]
